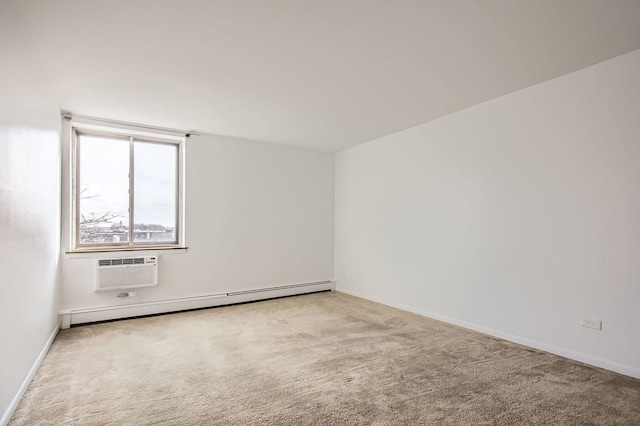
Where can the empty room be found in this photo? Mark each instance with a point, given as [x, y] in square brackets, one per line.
[288, 212]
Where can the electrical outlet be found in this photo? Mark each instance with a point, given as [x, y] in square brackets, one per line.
[594, 323]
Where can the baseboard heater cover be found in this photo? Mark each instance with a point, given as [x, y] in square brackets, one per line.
[83, 316]
[282, 287]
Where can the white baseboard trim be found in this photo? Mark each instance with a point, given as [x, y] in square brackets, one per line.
[82, 316]
[25, 384]
[627, 370]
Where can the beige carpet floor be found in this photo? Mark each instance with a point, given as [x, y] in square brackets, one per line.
[319, 359]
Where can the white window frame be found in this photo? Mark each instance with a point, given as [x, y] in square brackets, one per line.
[133, 135]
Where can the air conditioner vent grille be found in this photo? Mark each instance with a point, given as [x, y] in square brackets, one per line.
[122, 261]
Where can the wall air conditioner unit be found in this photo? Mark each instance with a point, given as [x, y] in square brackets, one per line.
[126, 272]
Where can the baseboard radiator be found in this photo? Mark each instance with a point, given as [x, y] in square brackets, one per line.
[89, 315]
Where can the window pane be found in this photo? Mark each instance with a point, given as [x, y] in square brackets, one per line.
[155, 192]
[104, 189]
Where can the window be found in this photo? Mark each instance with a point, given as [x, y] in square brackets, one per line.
[127, 190]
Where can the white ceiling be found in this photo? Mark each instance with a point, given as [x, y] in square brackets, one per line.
[321, 74]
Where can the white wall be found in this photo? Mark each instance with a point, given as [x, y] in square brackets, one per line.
[29, 184]
[257, 215]
[514, 217]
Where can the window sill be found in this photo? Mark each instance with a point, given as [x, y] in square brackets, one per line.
[127, 249]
